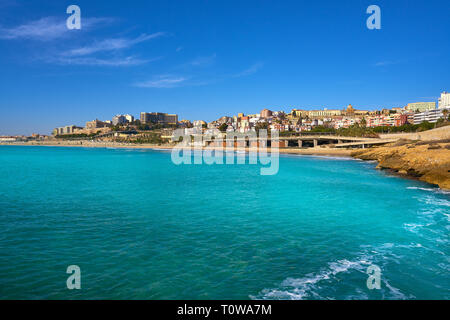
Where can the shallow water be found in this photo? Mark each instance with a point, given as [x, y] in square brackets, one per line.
[141, 227]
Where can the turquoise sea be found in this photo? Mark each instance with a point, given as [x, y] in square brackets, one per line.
[140, 227]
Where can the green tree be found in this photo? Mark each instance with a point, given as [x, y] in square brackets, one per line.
[363, 122]
[223, 127]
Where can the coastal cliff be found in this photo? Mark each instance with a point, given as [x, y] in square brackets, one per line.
[428, 161]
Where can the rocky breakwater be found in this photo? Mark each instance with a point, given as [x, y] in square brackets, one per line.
[428, 161]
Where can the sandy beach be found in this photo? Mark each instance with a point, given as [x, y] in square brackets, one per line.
[334, 152]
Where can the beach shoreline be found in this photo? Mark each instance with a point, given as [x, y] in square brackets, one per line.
[332, 152]
[432, 170]
[427, 161]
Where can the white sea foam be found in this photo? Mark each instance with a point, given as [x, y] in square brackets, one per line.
[424, 189]
[395, 292]
[307, 287]
[435, 190]
[414, 227]
[435, 201]
[332, 158]
[313, 285]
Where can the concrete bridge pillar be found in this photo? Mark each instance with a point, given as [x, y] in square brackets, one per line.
[241, 143]
[315, 143]
[253, 143]
[300, 143]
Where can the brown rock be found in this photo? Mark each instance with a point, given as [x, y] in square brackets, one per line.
[430, 162]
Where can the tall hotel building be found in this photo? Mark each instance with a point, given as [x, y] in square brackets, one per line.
[159, 118]
[444, 100]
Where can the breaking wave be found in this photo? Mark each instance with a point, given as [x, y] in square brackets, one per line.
[435, 190]
[325, 283]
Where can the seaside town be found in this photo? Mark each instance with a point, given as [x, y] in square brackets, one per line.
[224, 159]
[157, 128]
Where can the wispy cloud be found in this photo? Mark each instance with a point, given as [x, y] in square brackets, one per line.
[172, 81]
[113, 44]
[8, 3]
[203, 61]
[251, 70]
[109, 62]
[429, 98]
[46, 29]
[384, 63]
[163, 81]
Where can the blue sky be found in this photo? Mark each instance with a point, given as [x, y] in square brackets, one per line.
[204, 59]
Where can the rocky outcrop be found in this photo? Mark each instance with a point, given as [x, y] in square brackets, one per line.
[427, 161]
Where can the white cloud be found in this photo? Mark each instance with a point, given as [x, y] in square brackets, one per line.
[171, 81]
[383, 63]
[8, 3]
[112, 44]
[203, 61]
[163, 81]
[251, 70]
[47, 29]
[92, 61]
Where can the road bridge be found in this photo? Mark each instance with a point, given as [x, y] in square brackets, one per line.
[310, 140]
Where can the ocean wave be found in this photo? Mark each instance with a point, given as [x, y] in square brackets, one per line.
[395, 292]
[307, 287]
[435, 201]
[414, 227]
[161, 149]
[315, 156]
[435, 190]
[343, 158]
[319, 285]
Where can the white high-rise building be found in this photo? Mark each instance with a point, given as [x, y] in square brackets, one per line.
[129, 118]
[429, 115]
[119, 119]
[444, 100]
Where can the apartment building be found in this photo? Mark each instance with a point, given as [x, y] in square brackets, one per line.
[159, 118]
[430, 116]
[119, 119]
[420, 106]
[95, 124]
[444, 100]
[65, 130]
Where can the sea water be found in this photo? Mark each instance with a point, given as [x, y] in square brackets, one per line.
[141, 227]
